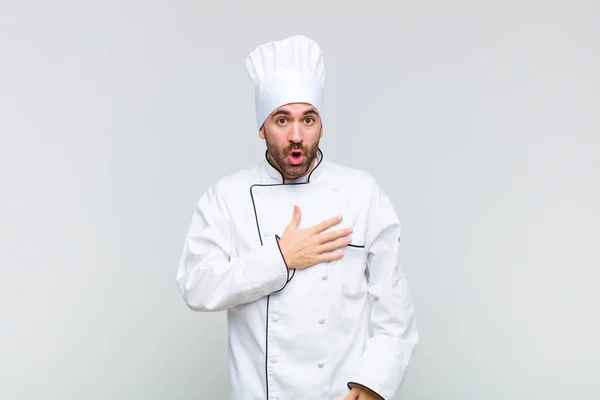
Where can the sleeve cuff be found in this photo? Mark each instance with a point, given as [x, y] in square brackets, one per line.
[265, 268]
[380, 368]
[352, 384]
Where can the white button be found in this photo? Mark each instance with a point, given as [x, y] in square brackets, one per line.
[324, 277]
[322, 321]
[320, 365]
[275, 318]
[274, 361]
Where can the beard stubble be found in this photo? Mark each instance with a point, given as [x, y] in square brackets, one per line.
[280, 157]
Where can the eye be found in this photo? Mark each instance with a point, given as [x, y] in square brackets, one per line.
[309, 120]
[280, 121]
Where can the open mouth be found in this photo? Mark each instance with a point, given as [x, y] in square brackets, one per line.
[296, 157]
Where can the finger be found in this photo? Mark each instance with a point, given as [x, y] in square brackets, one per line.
[330, 257]
[353, 394]
[328, 223]
[333, 235]
[333, 245]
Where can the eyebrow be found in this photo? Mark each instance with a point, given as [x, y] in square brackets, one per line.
[286, 112]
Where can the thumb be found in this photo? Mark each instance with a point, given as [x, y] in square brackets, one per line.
[297, 216]
[353, 395]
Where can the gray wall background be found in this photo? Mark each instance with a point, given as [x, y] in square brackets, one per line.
[480, 120]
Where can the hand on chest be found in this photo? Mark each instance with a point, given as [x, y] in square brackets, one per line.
[274, 208]
[334, 280]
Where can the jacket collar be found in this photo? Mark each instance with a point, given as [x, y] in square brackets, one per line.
[275, 176]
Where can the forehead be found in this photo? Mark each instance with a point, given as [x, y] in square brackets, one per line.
[295, 108]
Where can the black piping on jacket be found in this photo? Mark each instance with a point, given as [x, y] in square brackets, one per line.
[356, 383]
[288, 270]
[289, 278]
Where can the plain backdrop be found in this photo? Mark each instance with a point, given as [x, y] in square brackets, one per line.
[480, 120]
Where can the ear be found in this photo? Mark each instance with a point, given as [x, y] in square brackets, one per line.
[261, 132]
[321, 135]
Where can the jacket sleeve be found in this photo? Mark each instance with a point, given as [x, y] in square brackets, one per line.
[210, 275]
[385, 359]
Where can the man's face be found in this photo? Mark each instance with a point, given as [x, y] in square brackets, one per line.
[292, 133]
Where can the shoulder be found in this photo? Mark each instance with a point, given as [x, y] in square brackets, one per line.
[234, 184]
[361, 185]
[216, 198]
[350, 176]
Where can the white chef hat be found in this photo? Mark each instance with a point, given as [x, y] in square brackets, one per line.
[288, 71]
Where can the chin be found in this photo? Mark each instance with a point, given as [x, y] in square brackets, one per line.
[295, 171]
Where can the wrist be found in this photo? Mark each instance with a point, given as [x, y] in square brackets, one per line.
[284, 252]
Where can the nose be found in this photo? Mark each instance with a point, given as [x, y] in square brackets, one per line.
[296, 135]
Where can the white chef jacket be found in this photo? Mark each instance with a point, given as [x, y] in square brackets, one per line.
[307, 333]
